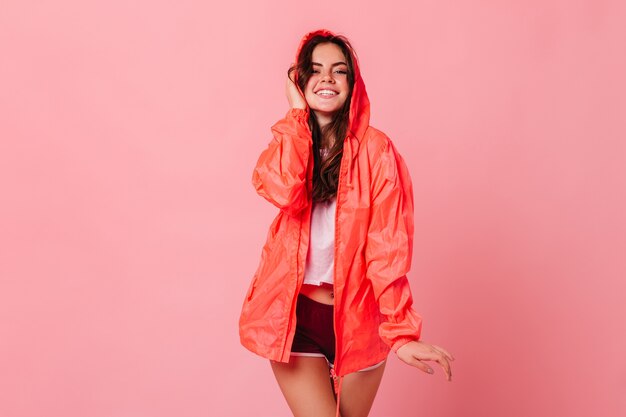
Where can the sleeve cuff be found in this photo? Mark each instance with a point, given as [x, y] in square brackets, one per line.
[401, 342]
[297, 113]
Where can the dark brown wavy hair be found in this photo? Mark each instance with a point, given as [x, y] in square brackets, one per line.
[326, 173]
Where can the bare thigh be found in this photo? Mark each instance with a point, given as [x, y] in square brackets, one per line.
[305, 382]
[358, 391]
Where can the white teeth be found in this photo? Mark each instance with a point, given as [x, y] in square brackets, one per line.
[326, 93]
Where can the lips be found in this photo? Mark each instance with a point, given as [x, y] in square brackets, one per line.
[326, 92]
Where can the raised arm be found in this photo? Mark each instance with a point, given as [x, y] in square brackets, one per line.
[280, 172]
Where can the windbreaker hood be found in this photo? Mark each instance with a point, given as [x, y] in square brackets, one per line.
[360, 104]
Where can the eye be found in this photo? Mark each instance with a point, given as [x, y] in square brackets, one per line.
[342, 71]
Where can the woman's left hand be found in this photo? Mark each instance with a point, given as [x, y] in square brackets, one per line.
[413, 353]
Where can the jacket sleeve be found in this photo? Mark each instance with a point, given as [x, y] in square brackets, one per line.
[280, 172]
[389, 247]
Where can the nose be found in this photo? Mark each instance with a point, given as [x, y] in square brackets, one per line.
[327, 77]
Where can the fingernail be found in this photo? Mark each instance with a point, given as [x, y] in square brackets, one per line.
[430, 370]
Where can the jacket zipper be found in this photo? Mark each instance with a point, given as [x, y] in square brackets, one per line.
[337, 380]
[335, 280]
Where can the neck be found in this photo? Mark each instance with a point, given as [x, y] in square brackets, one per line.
[323, 119]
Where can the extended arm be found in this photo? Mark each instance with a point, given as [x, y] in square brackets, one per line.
[389, 247]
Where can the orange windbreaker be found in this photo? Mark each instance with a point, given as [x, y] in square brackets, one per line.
[373, 241]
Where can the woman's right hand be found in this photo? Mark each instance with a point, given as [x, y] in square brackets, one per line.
[295, 98]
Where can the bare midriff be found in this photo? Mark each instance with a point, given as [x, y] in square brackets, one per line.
[321, 293]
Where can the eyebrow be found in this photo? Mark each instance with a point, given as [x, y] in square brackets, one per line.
[335, 64]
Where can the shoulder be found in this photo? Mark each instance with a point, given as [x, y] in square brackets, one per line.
[378, 143]
[383, 155]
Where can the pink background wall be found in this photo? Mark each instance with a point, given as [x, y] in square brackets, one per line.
[129, 229]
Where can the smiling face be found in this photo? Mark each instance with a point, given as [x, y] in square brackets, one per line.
[327, 90]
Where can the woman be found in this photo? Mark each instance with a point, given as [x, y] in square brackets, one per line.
[331, 292]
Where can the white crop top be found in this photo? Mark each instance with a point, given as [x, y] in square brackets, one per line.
[321, 255]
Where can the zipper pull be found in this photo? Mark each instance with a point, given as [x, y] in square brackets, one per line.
[337, 383]
[335, 379]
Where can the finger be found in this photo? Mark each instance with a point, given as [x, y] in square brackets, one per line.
[445, 352]
[291, 70]
[430, 354]
[413, 361]
[446, 367]
[439, 357]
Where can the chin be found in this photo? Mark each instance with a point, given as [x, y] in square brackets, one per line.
[328, 109]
